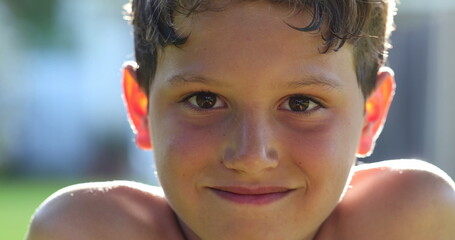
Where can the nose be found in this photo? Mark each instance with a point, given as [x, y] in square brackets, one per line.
[251, 145]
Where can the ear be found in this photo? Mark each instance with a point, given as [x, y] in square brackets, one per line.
[376, 108]
[136, 103]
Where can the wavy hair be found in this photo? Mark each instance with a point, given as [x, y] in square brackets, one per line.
[366, 24]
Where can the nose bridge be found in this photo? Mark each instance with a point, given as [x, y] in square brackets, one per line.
[251, 149]
[252, 133]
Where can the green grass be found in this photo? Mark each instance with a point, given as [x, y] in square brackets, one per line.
[18, 201]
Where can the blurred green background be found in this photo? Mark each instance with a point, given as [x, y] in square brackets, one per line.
[62, 119]
[19, 199]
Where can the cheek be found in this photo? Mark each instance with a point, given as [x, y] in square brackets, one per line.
[326, 152]
[182, 149]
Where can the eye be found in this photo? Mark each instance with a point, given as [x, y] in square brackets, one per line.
[300, 103]
[205, 100]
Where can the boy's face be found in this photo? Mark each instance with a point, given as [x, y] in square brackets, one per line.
[255, 131]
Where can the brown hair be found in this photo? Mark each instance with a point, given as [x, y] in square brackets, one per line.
[366, 24]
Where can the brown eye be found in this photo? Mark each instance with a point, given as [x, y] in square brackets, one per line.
[205, 100]
[299, 103]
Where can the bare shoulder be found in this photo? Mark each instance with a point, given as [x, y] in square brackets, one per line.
[104, 210]
[399, 199]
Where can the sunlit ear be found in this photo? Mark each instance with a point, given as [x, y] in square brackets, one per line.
[376, 108]
[136, 103]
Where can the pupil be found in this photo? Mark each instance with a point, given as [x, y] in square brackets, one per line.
[206, 100]
[299, 103]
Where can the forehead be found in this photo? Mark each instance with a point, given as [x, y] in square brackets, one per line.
[252, 36]
[247, 22]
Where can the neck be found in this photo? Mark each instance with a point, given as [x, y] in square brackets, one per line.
[187, 233]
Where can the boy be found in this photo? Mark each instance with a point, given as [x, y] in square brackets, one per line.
[257, 111]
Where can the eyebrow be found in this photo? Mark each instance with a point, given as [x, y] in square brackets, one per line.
[320, 80]
[183, 79]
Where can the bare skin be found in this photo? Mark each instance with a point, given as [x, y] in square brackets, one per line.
[387, 200]
[255, 134]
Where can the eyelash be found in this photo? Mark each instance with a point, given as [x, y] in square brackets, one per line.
[193, 106]
[305, 112]
[187, 99]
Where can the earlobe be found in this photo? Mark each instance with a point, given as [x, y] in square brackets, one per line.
[376, 108]
[136, 103]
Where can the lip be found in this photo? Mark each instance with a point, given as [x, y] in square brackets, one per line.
[252, 196]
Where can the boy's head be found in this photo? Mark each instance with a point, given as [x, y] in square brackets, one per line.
[254, 126]
[365, 24]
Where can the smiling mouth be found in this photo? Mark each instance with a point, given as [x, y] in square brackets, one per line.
[256, 196]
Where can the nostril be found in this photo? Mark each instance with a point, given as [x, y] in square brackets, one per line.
[272, 154]
[229, 154]
[249, 161]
